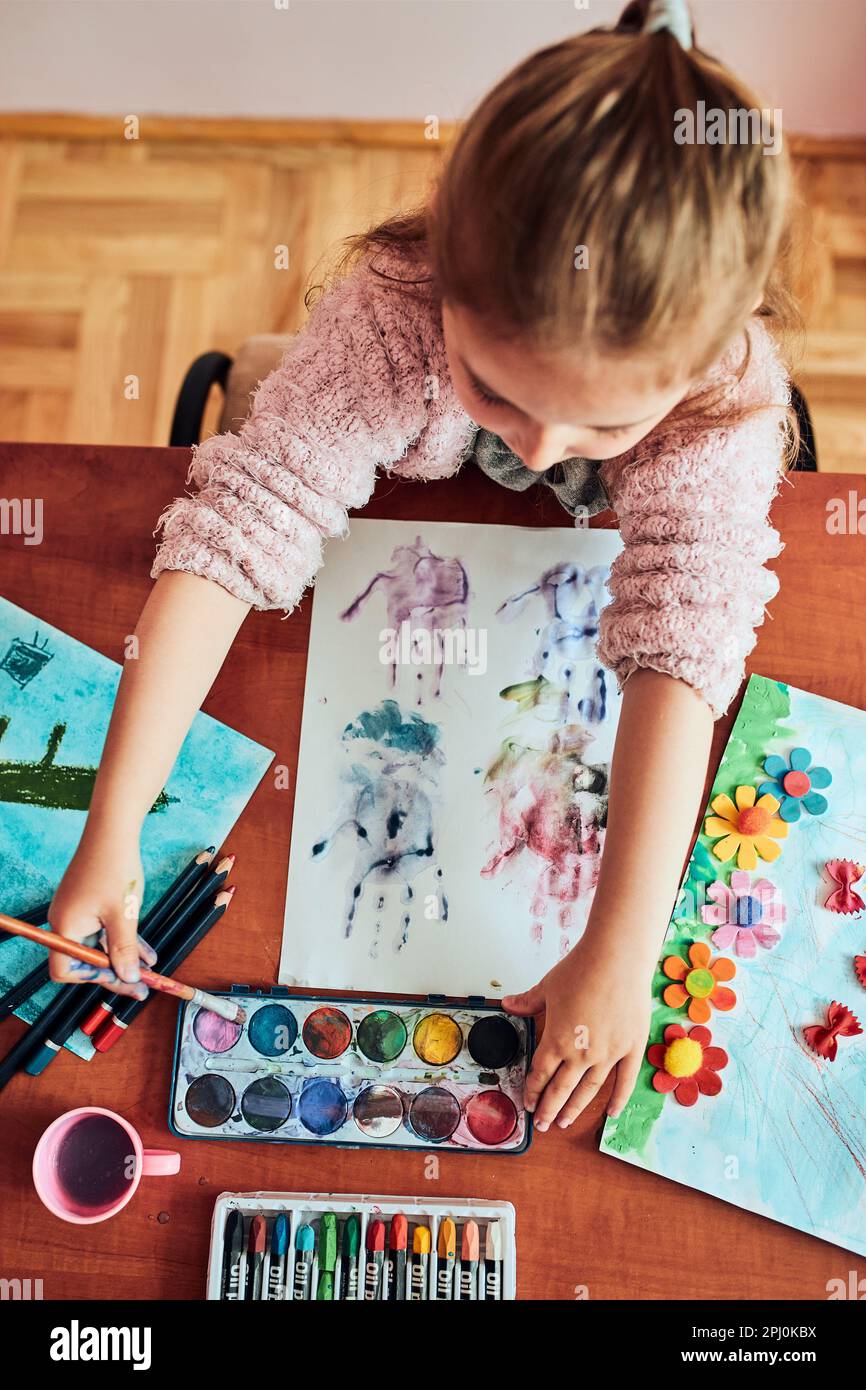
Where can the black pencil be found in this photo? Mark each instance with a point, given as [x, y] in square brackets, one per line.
[81, 1005]
[181, 946]
[152, 929]
[74, 1005]
[24, 989]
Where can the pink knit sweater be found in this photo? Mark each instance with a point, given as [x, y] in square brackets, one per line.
[365, 385]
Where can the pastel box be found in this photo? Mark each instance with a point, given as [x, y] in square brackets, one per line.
[354, 1072]
[307, 1208]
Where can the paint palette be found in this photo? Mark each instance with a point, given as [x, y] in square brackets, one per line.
[300, 1264]
[383, 1073]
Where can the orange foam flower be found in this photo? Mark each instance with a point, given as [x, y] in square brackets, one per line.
[747, 830]
[699, 983]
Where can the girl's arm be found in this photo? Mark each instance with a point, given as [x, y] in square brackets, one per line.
[689, 588]
[351, 394]
[597, 999]
[184, 633]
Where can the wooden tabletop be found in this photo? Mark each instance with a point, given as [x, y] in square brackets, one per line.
[583, 1218]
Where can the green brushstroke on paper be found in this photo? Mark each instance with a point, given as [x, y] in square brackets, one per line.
[757, 731]
[54, 786]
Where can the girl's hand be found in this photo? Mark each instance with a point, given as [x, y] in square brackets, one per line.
[101, 892]
[597, 1010]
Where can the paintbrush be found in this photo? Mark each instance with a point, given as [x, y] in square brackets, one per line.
[226, 1008]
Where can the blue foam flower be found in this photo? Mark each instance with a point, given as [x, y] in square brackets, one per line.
[795, 784]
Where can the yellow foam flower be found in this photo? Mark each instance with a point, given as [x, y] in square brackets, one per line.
[748, 830]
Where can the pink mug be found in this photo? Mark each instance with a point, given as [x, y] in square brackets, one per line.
[89, 1162]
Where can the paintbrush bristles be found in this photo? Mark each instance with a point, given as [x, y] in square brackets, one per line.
[226, 1008]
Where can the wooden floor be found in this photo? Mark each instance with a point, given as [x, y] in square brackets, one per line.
[121, 260]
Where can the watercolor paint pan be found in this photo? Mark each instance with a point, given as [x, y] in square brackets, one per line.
[307, 1209]
[354, 1072]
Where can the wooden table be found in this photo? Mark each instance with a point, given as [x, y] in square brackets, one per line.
[584, 1219]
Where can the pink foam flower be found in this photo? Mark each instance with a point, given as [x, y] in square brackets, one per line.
[745, 914]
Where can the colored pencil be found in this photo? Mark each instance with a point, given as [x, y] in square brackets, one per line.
[349, 1259]
[375, 1261]
[493, 1262]
[128, 1009]
[277, 1268]
[38, 916]
[327, 1257]
[25, 989]
[226, 1008]
[304, 1242]
[420, 1266]
[158, 925]
[446, 1250]
[77, 1008]
[397, 1241]
[30, 1041]
[467, 1288]
[233, 1249]
[255, 1258]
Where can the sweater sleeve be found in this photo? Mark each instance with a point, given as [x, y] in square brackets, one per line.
[356, 389]
[690, 585]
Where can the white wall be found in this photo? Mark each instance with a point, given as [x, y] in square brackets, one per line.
[388, 58]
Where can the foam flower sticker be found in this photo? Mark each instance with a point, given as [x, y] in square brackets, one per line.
[841, 1023]
[747, 830]
[745, 914]
[686, 1064]
[796, 784]
[698, 982]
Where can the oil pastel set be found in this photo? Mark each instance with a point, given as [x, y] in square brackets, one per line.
[353, 1072]
[287, 1246]
[752, 1087]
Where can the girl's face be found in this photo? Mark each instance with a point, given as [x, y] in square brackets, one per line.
[547, 408]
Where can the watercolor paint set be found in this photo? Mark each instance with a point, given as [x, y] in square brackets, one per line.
[316, 1247]
[353, 1072]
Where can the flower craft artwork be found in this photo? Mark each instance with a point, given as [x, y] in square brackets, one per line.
[748, 829]
[686, 1064]
[795, 784]
[698, 982]
[745, 914]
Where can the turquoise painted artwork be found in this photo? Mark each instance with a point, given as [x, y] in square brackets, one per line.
[752, 1088]
[56, 698]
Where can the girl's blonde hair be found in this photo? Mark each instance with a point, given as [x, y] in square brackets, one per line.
[575, 148]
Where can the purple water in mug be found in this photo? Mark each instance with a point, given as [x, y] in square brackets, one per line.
[89, 1162]
[95, 1163]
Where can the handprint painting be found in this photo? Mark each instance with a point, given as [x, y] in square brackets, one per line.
[549, 788]
[451, 796]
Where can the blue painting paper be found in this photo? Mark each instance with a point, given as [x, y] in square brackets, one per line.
[56, 698]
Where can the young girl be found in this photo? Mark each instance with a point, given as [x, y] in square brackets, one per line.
[588, 304]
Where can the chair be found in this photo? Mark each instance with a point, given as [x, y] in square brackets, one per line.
[257, 357]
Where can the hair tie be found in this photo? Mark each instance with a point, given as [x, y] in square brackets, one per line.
[672, 15]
